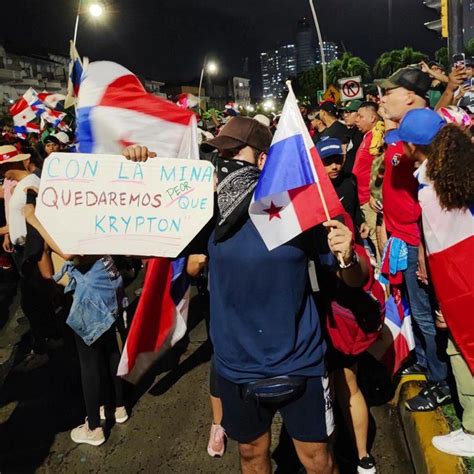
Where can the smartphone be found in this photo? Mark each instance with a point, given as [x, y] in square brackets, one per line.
[459, 61]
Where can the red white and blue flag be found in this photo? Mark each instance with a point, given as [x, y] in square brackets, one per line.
[396, 339]
[160, 319]
[51, 100]
[293, 192]
[114, 111]
[449, 242]
[76, 71]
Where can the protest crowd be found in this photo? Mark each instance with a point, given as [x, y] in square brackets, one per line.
[338, 231]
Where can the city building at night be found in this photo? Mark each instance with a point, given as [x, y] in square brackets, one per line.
[331, 52]
[305, 46]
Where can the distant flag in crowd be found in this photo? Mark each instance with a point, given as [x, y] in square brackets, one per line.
[293, 192]
[187, 101]
[22, 112]
[76, 70]
[449, 242]
[54, 117]
[160, 319]
[51, 100]
[114, 111]
[396, 340]
[23, 130]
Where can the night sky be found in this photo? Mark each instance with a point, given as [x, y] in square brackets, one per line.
[167, 39]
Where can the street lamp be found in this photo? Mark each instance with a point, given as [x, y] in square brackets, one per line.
[211, 68]
[96, 10]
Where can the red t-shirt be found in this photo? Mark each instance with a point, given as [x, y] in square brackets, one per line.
[363, 167]
[401, 210]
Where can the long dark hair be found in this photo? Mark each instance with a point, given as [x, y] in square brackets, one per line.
[451, 167]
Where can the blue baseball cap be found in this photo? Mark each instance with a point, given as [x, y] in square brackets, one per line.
[329, 147]
[419, 126]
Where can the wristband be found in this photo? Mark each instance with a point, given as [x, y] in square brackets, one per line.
[354, 261]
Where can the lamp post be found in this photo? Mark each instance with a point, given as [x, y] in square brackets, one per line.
[95, 9]
[209, 67]
[321, 44]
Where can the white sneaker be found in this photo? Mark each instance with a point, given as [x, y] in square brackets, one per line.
[457, 443]
[82, 434]
[121, 415]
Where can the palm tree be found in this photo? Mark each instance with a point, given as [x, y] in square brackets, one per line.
[390, 61]
[309, 82]
[442, 57]
[347, 66]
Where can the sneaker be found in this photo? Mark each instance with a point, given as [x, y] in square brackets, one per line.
[120, 416]
[217, 438]
[82, 434]
[457, 443]
[430, 398]
[366, 465]
[414, 369]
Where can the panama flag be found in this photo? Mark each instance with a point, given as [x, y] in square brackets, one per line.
[293, 192]
[396, 339]
[449, 242]
[22, 110]
[160, 319]
[76, 70]
[114, 111]
[22, 131]
[51, 100]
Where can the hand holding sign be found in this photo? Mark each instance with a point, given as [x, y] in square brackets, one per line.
[104, 204]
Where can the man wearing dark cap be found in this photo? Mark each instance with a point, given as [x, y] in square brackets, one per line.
[406, 90]
[349, 115]
[334, 128]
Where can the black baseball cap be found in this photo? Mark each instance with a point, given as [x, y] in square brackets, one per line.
[329, 107]
[410, 78]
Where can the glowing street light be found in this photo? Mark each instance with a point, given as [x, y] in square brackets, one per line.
[269, 105]
[96, 10]
[211, 68]
[250, 108]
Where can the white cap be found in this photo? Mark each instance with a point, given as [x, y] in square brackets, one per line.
[62, 137]
[263, 119]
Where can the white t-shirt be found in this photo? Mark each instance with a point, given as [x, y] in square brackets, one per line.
[16, 221]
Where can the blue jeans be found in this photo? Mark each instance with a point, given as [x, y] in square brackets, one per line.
[430, 349]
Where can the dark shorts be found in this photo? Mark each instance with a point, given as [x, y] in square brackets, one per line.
[307, 418]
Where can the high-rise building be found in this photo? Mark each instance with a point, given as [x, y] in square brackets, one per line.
[305, 46]
[331, 52]
[277, 66]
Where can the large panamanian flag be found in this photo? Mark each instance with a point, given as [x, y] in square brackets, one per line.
[114, 110]
[449, 242]
[293, 192]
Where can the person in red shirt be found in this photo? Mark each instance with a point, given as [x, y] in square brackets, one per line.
[367, 118]
[406, 90]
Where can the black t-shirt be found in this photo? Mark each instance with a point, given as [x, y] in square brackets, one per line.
[356, 137]
[346, 189]
[337, 130]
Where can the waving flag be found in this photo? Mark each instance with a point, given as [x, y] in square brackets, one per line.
[51, 100]
[293, 192]
[114, 111]
[160, 319]
[449, 241]
[26, 109]
[76, 70]
[396, 340]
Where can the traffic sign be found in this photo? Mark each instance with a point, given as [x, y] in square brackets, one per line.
[351, 88]
[332, 93]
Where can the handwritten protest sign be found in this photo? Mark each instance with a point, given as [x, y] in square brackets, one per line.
[104, 204]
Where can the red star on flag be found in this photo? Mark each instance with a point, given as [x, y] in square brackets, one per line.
[273, 211]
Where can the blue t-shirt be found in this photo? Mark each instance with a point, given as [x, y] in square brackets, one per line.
[264, 320]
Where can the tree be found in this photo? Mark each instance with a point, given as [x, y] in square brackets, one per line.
[470, 47]
[308, 83]
[442, 56]
[391, 61]
[347, 66]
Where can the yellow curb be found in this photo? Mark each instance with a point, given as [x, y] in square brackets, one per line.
[405, 378]
[419, 431]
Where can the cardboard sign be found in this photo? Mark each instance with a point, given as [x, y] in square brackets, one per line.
[351, 88]
[104, 204]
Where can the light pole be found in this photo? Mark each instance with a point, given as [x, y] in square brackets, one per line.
[321, 44]
[209, 67]
[95, 9]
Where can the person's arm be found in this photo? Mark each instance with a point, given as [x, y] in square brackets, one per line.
[353, 271]
[439, 76]
[7, 245]
[195, 265]
[29, 213]
[456, 80]
[4, 230]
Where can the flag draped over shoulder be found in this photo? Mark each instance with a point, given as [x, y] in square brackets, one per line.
[293, 192]
[114, 111]
[449, 242]
[160, 318]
